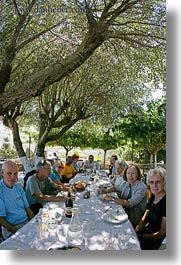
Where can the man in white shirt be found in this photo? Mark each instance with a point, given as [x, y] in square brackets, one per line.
[91, 164]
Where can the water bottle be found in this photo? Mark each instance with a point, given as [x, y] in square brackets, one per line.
[75, 230]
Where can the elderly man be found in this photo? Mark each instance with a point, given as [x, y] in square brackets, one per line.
[38, 187]
[14, 207]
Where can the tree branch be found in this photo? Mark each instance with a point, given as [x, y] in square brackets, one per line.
[34, 37]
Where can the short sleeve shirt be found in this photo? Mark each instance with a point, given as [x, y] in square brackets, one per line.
[54, 176]
[13, 203]
[35, 185]
[68, 171]
[157, 211]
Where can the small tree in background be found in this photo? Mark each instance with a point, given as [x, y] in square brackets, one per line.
[7, 151]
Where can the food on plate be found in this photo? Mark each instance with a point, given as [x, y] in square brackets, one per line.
[80, 186]
[103, 184]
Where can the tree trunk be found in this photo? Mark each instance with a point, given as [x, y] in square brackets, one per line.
[151, 159]
[13, 125]
[132, 155]
[104, 163]
[40, 149]
[26, 164]
[155, 159]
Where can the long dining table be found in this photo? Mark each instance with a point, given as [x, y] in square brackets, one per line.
[99, 233]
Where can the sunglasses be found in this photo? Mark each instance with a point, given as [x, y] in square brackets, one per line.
[60, 167]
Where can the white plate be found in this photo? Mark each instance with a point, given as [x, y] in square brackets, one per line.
[13, 246]
[115, 219]
[58, 213]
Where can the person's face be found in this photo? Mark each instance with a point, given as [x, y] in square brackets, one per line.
[132, 174]
[156, 184]
[119, 169]
[10, 174]
[44, 172]
[69, 161]
[91, 159]
[112, 161]
[76, 159]
[59, 168]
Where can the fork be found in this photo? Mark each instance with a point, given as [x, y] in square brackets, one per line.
[110, 207]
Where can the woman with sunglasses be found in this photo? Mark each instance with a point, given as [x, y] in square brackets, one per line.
[151, 230]
[55, 174]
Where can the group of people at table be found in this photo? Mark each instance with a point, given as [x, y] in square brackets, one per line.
[146, 213]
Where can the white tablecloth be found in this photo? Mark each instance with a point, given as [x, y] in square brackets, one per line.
[104, 235]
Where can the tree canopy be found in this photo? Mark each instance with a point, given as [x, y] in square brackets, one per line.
[43, 42]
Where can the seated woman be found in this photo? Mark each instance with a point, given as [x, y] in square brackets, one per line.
[151, 229]
[75, 159]
[133, 194]
[55, 174]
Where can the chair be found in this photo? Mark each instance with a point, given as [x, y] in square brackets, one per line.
[163, 244]
[30, 173]
[148, 193]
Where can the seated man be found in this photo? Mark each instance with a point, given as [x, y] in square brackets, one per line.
[91, 164]
[14, 207]
[112, 166]
[68, 171]
[118, 179]
[37, 187]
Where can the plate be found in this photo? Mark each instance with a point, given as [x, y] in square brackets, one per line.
[13, 246]
[104, 185]
[114, 219]
[80, 186]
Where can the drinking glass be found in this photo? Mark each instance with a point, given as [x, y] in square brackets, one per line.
[42, 228]
[61, 234]
[109, 243]
[123, 240]
[52, 225]
[85, 227]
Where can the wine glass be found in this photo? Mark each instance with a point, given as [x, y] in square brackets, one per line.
[123, 240]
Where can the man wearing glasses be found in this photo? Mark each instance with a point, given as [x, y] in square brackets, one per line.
[91, 164]
[38, 186]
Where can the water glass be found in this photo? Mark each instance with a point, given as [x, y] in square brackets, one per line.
[123, 240]
[109, 243]
[52, 225]
[61, 234]
[42, 228]
[85, 226]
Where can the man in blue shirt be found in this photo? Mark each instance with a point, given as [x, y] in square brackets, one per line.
[14, 207]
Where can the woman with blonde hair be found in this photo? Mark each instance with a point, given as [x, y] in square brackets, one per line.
[55, 174]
